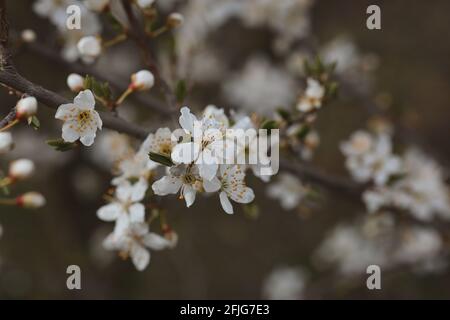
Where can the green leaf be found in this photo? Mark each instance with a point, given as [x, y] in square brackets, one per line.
[101, 90]
[34, 122]
[284, 114]
[303, 132]
[181, 91]
[161, 159]
[269, 125]
[61, 145]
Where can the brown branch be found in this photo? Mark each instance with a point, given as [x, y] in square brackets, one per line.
[8, 118]
[137, 33]
[54, 57]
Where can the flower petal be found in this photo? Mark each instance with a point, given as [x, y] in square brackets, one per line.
[166, 185]
[88, 139]
[155, 241]
[211, 185]
[66, 112]
[140, 256]
[225, 202]
[187, 119]
[136, 213]
[188, 195]
[85, 100]
[110, 212]
[185, 152]
[69, 132]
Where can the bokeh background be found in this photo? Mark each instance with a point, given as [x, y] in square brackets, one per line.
[221, 256]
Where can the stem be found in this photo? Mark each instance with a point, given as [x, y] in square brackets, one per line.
[10, 125]
[8, 202]
[157, 32]
[119, 38]
[124, 95]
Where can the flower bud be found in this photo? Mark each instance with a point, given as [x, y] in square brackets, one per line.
[75, 82]
[174, 20]
[31, 200]
[6, 142]
[21, 169]
[142, 80]
[28, 35]
[26, 107]
[145, 3]
[97, 5]
[89, 47]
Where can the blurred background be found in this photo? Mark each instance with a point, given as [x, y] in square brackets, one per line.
[222, 256]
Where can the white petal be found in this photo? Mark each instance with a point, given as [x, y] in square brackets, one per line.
[110, 242]
[85, 100]
[123, 191]
[140, 256]
[122, 225]
[137, 213]
[166, 185]
[69, 132]
[138, 190]
[110, 212]
[189, 195]
[97, 119]
[211, 185]
[187, 119]
[155, 241]
[185, 152]
[88, 139]
[225, 202]
[243, 194]
[66, 112]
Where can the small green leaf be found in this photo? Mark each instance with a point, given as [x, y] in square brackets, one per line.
[34, 122]
[269, 125]
[61, 145]
[303, 132]
[181, 91]
[284, 114]
[161, 159]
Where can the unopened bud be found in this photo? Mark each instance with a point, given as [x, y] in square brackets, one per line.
[75, 82]
[174, 20]
[21, 169]
[31, 200]
[26, 107]
[28, 35]
[142, 80]
[6, 142]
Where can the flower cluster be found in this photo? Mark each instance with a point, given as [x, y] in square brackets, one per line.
[413, 182]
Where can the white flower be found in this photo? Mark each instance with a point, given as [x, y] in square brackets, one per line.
[134, 241]
[134, 167]
[142, 80]
[145, 3]
[232, 186]
[89, 47]
[110, 149]
[6, 142]
[419, 244]
[96, 5]
[208, 147]
[26, 107]
[181, 178]
[31, 200]
[21, 169]
[28, 35]
[312, 97]
[174, 20]
[284, 284]
[159, 142]
[370, 158]
[75, 82]
[289, 190]
[126, 208]
[81, 121]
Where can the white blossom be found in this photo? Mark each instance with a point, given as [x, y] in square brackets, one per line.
[21, 169]
[231, 185]
[126, 207]
[75, 82]
[160, 142]
[285, 283]
[370, 157]
[312, 97]
[142, 80]
[89, 47]
[134, 241]
[6, 142]
[26, 107]
[181, 179]
[31, 200]
[81, 121]
[288, 189]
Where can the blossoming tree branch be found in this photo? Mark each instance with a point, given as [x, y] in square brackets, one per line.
[212, 151]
